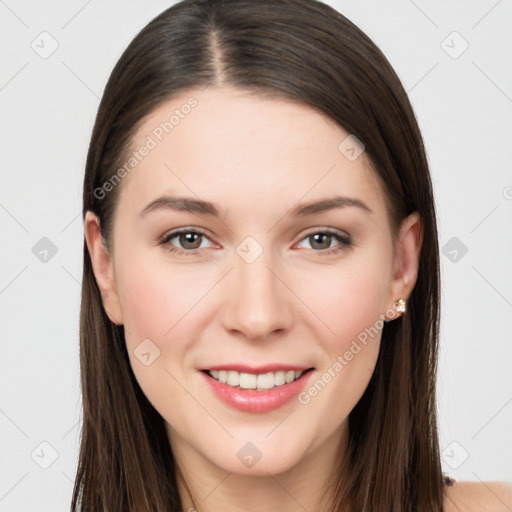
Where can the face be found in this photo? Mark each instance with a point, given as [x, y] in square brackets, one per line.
[258, 281]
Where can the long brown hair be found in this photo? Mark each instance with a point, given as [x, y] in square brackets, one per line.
[306, 51]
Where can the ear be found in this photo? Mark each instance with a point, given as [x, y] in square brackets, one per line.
[406, 259]
[103, 268]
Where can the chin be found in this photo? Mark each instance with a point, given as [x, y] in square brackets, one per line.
[262, 467]
[256, 458]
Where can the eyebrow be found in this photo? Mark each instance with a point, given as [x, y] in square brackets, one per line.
[189, 204]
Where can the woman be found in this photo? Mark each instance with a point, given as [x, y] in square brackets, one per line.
[260, 307]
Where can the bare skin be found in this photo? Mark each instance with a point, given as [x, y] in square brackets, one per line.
[256, 159]
[479, 497]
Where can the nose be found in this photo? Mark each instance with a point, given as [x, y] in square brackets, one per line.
[258, 302]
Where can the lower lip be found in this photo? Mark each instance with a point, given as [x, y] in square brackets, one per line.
[252, 400]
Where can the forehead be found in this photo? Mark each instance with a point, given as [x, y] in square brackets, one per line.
[245, 151]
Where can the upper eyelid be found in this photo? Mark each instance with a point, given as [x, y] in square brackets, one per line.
[330, 231]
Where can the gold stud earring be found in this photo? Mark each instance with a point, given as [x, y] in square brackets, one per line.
[400, 305]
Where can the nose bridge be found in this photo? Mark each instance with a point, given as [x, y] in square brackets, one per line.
[258, 302]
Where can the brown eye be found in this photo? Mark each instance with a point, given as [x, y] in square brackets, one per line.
[184, 241]
[321, 241]
[190, 240]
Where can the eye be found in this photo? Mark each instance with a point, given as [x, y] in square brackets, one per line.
[320, 241]
[189, 239]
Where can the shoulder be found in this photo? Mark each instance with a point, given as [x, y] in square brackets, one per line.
[478, 497]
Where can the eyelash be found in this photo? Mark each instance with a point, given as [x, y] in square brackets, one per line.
[345, 241]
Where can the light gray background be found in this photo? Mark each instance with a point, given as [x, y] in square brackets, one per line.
[464, 105]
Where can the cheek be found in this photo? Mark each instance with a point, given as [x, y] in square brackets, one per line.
[157, 306]
[156, 301]
[350, 302]
[347, 300]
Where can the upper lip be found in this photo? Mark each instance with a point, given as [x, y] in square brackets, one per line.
[267, 368]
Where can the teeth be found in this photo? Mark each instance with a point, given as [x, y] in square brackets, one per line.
[251, 381]
[279, 378]
[233, 378]
[248, 381]
[266, 381]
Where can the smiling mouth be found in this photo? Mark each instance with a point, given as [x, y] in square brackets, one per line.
[261, 381]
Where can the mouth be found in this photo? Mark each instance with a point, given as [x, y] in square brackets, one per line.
[257, 390]
[256, 381]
